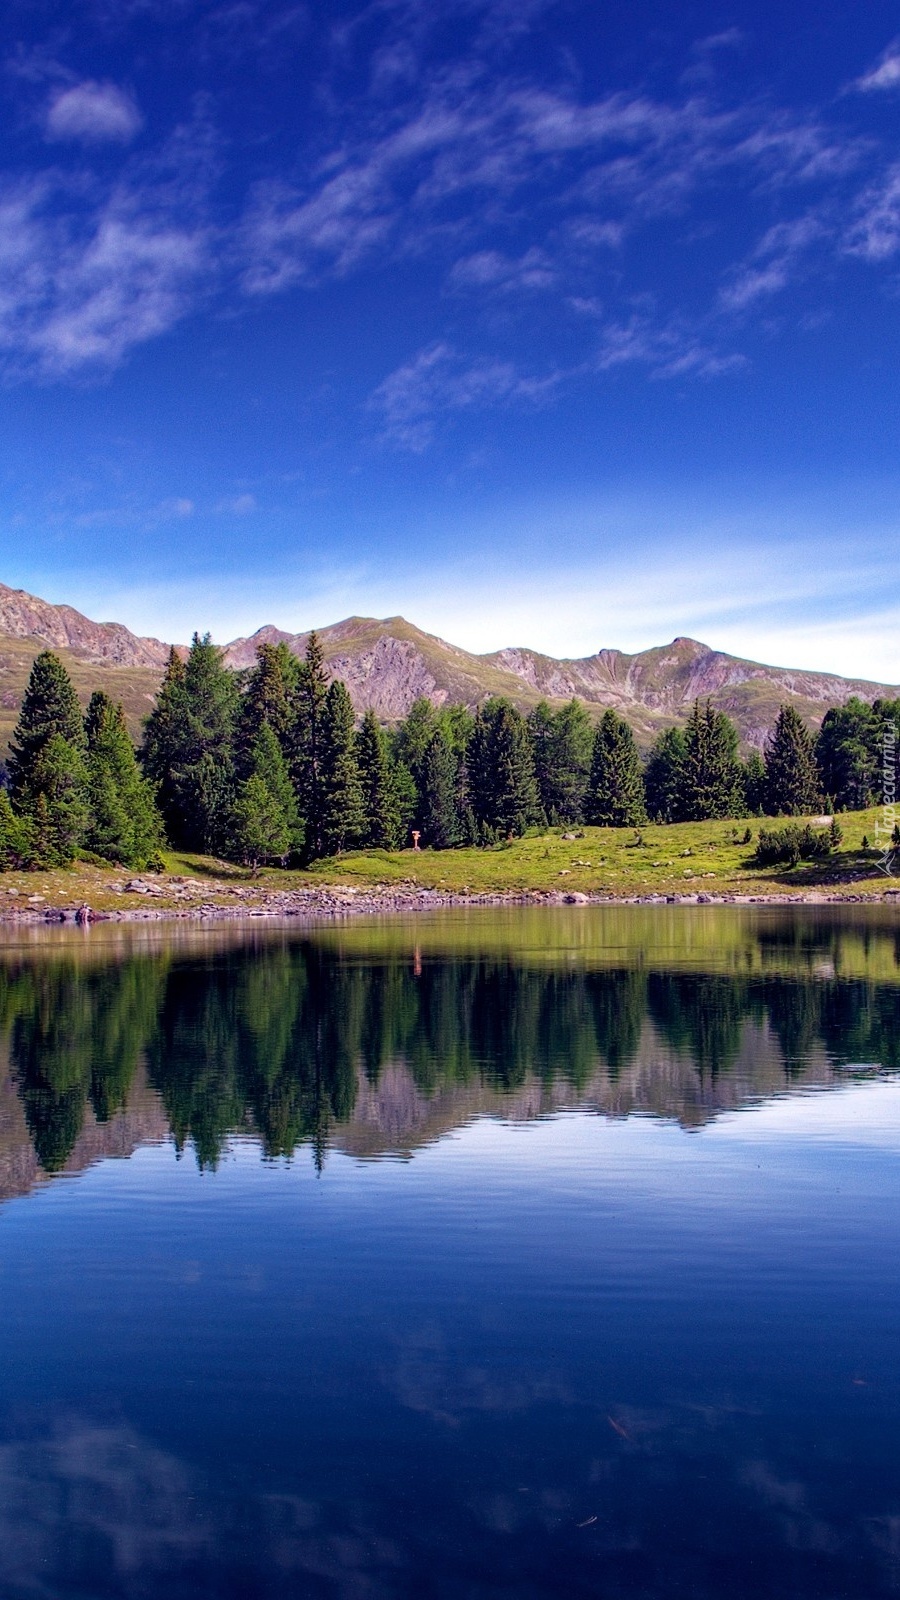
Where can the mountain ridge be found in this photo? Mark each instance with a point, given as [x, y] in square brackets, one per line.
[388, 662]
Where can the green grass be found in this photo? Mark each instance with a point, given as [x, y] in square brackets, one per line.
[688, 857]
[685, 858]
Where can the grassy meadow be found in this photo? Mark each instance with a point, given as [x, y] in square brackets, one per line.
[676, 859]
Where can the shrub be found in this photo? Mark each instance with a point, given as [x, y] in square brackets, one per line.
[777, 847]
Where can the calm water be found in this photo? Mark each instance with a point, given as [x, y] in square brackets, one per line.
[524, 1254]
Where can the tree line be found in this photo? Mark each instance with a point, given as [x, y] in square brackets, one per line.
[270, 765]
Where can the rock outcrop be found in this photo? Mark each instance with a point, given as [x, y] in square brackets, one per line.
[389, 663]
[24, 616]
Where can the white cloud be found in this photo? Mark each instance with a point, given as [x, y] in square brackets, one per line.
[875, 233]
[238, 505]
[885, 74]
[597, 168]
[774, 264]
[509, 187]
[438, 380]
[93, 113]
[492, 269]
[87, 272]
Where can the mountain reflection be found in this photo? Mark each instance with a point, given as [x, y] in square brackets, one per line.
[378, 1039]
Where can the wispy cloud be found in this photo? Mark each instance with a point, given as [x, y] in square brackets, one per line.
[885, 74]
[874, 233]
[471, 153]
[501, 184]
[88, 271]
[439, 380]
[237, 505]
[93, 113]
[773, 264]
[492, 269]
[669, 349]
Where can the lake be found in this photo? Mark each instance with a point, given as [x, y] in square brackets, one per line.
[492, 1254]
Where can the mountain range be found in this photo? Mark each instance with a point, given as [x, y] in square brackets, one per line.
[387, 663]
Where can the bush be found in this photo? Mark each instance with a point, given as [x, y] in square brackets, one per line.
[785, 847]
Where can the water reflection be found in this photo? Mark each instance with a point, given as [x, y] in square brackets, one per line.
[379, 1037]
[587, 1356]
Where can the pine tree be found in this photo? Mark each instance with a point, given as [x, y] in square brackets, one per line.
[663, 776]
[50, 709]
[163, 734]
[504, 791]
[711, 775]
[615, 794]
[411, 742]
[58, 802]
[848, 756]
[342, 813]
[381, 821]
[268, 701]
[259, 827]
[188, 750]
[266, 761]
[540, 732]
[468, 827]
[886, 714]
[125, 825]
[440, 818]
[792, 777]
[306, 744]
[16, 837]
[405, 799]
[755, 786]
[562, 744]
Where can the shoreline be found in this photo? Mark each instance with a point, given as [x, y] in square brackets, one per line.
[327, 904]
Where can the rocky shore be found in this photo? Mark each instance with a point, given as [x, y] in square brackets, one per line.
[149, 900]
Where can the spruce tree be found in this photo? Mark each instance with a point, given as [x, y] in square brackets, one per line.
[848, 757]
[412, 740]
[886, 715]
[163, 736]
[711, 783]
[268, 701]
[50, 710]
[266, 761]
[755, 785]
[792, 777]
[663, 776]
[58, 802]
[16, 837]
[188, 750]
[615, 793]
[562, 745]
[540, 732]
[124, 825]
[259, 827]
[306, 744]
[468, 827]
[380, 811]
[342, 813]
[440, 817]
[501, 770]
[405, 799]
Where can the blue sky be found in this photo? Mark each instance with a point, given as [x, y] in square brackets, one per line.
[567, 325]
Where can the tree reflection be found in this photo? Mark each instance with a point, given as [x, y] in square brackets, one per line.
[277, 1039]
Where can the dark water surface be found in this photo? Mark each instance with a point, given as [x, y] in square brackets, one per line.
[501, 1254]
